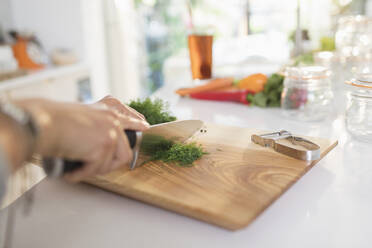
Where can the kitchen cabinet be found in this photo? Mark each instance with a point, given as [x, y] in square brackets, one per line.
[60, 83]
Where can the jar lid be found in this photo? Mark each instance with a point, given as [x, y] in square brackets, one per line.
[307, 72]
[363, 80]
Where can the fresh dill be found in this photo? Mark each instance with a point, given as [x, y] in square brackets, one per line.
[159, 148]
[155, 111]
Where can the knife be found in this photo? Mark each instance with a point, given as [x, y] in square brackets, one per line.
[175, 130]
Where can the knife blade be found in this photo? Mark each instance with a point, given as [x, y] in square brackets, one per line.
[179, 131]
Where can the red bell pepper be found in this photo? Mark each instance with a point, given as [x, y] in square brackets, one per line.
[231, 96]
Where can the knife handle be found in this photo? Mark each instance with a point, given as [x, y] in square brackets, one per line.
[55, 167]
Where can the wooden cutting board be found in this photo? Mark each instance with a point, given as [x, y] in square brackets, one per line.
[229, 187]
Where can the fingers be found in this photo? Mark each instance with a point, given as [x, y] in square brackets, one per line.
[110, 154]
[100, 161]
[115, 152]
[127, 122]
[123, 155]
[115, 104]
[132, 123]
[133, 113]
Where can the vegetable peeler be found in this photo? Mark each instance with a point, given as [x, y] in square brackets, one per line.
[311, 152]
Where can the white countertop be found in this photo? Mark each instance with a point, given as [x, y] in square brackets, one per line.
[331, 206]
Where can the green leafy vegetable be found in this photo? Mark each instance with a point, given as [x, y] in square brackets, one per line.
[260, 99]
[184, 154]
[270, 96]
[155, 111]
[327, 44]
[159, 148]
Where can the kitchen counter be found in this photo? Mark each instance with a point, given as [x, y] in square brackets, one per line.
[329, 207]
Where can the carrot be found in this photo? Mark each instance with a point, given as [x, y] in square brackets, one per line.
[211, 85]
[254, 82]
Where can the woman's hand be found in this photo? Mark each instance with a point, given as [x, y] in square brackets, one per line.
[116, 105]
[93, 134]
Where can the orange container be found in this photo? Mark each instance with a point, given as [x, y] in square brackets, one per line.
[21, 54]
[200, 49]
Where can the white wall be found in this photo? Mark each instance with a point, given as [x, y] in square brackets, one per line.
[57, 23]
[5, 14]
[369, 8]
[95, 46]
[123, 49]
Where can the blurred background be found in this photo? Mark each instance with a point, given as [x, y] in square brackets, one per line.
[86, 49]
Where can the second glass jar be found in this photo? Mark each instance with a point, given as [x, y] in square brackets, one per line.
[359, 111]
[307, 93]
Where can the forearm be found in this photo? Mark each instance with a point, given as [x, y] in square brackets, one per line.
[18, 140]
[15, 142]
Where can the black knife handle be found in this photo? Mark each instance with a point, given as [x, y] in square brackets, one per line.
[56, 167]
[132, 137]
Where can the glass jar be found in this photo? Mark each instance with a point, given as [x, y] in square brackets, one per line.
[358, 115]
[307, 93]
[354, 35]
[353, 44]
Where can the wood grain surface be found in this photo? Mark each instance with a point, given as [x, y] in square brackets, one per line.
[229, 187]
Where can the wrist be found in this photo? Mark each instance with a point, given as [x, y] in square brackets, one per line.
[43, 119]
[15, 141]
